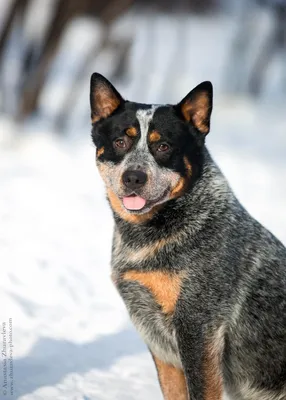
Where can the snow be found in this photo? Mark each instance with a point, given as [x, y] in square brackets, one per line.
[71, 333]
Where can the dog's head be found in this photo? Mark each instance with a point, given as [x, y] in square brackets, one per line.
[147, 155]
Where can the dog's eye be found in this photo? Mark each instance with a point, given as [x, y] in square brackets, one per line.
[163, 147]
[120, 143]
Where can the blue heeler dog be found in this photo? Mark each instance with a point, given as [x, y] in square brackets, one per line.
[204, 283]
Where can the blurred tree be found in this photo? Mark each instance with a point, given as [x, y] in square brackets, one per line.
[34, 73]
[38, 57]
[255, 45]
[275, 41]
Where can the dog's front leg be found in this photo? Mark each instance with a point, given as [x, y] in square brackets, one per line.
[172, 381]
[201, 358]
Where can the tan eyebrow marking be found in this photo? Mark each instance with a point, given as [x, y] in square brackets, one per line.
[154, 136]
[132, 131]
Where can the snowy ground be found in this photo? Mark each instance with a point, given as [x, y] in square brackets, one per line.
[72, 337]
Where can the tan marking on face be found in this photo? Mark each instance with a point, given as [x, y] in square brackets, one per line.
[100, 151]
[116, 205]
[154, 136]
[197, 111]
[212, 372]
[165, 287]
[179, 188]
[188, 166]
[131, 132]
[172, 381]
[183, 182]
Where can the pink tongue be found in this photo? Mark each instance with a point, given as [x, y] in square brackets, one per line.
[134, 202]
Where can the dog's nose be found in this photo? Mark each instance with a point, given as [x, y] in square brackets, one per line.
[134, 179]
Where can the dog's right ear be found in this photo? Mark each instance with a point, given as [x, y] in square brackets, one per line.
[104, 98]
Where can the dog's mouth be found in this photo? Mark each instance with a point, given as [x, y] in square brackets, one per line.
[134, 202]
[137, 204]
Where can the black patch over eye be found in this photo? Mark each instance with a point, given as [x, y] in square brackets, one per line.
[163, 147]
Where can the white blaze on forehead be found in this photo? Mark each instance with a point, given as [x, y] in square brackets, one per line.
[144, 117]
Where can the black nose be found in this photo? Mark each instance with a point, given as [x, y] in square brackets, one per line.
[134, 179]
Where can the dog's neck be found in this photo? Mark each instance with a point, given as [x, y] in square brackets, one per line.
[205, 201]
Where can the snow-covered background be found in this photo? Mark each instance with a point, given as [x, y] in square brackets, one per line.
[71, 334]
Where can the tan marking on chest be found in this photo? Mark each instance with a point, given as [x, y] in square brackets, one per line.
[164, 287]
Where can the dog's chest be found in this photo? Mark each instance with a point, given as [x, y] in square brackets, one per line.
[150, 298]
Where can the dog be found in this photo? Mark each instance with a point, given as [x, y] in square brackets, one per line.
[204, 283]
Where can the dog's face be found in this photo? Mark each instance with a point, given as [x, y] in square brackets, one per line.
[147, 154]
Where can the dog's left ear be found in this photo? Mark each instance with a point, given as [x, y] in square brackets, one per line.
[196, 107]
[104, 98]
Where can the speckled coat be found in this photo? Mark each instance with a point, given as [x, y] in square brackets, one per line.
[203, 282]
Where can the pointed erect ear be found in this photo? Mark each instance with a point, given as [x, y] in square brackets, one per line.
[196, 107]
[104, 98]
